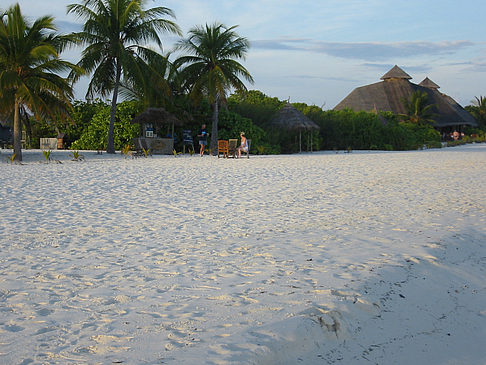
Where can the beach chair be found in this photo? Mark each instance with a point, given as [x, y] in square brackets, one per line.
[232, 144]
[223, 147]
[187, 140]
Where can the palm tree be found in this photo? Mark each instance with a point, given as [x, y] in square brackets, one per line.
[211, 68]
[478, 110]
[114, 32]
[418, 110]
[29, 70]
[159, 91]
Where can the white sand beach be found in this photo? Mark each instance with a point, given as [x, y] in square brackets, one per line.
[323, 258]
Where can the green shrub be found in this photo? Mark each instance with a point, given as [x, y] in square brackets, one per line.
[95, 136]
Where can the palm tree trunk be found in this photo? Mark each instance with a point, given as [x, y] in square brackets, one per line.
[17, 133]
[214, 128]
[110, 147]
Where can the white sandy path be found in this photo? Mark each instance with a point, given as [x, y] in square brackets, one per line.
[323, 258]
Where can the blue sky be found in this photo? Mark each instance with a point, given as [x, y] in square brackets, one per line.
[318, 51]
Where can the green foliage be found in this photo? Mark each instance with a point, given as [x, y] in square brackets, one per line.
[76, 156]
[95, 135]
[11, 158]
[41, 129]
[83, 113]
[30, 69]
[418, 109]
[211, 68]
[255, 105]
[114, 33]
[343, 129]
[478, 111]
[47, 155]
[125, 151]
[231, 124]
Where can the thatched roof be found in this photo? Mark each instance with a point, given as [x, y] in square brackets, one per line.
[429, 83]
[290, 118]
[157, 116]
[388, 95]
[396, 73]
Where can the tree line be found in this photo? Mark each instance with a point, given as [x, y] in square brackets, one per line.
[115, 36]
[194, 87]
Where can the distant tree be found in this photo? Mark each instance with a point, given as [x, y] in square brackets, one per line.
[418, 109]
[29, 70]
[255, 105]
[114, 33]
[211, 69]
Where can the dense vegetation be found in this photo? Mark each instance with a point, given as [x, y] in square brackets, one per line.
[194, 88]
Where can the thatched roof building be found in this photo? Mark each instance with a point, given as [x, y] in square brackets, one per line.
[388, 94]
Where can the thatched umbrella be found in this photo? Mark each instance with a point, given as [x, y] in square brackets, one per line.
[291, 119]
[157, 116]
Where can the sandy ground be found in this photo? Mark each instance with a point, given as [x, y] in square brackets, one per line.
[366, 257]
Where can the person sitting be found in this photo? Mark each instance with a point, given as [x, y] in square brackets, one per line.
[243, 146]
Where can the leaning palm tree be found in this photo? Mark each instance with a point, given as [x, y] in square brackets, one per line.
[114, 33]
[418, 109]
[211, 68]
[29, 70]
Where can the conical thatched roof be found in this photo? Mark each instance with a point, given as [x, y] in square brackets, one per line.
[290, 118]
[157, 116]
[388, 95]
[429, 83]
[396, 73]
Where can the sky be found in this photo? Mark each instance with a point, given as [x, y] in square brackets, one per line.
[318, 51]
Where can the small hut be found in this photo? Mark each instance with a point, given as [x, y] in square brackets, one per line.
[151, 123]
[291, 119]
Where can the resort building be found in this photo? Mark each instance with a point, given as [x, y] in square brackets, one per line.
[388, 95]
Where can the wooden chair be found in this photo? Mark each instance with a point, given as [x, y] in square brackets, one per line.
[223, 147]
[232, 144]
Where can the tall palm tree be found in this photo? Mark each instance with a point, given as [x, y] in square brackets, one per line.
[211, 69]
[418, 109]
[29, 70]
[114, 33]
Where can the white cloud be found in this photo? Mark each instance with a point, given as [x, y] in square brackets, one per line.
[369, 51]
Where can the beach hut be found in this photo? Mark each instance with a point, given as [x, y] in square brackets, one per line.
[157, 117]
[292, 119]
[395, 86]
[151, 121]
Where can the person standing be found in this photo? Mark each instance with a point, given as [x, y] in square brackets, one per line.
[203, 139]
